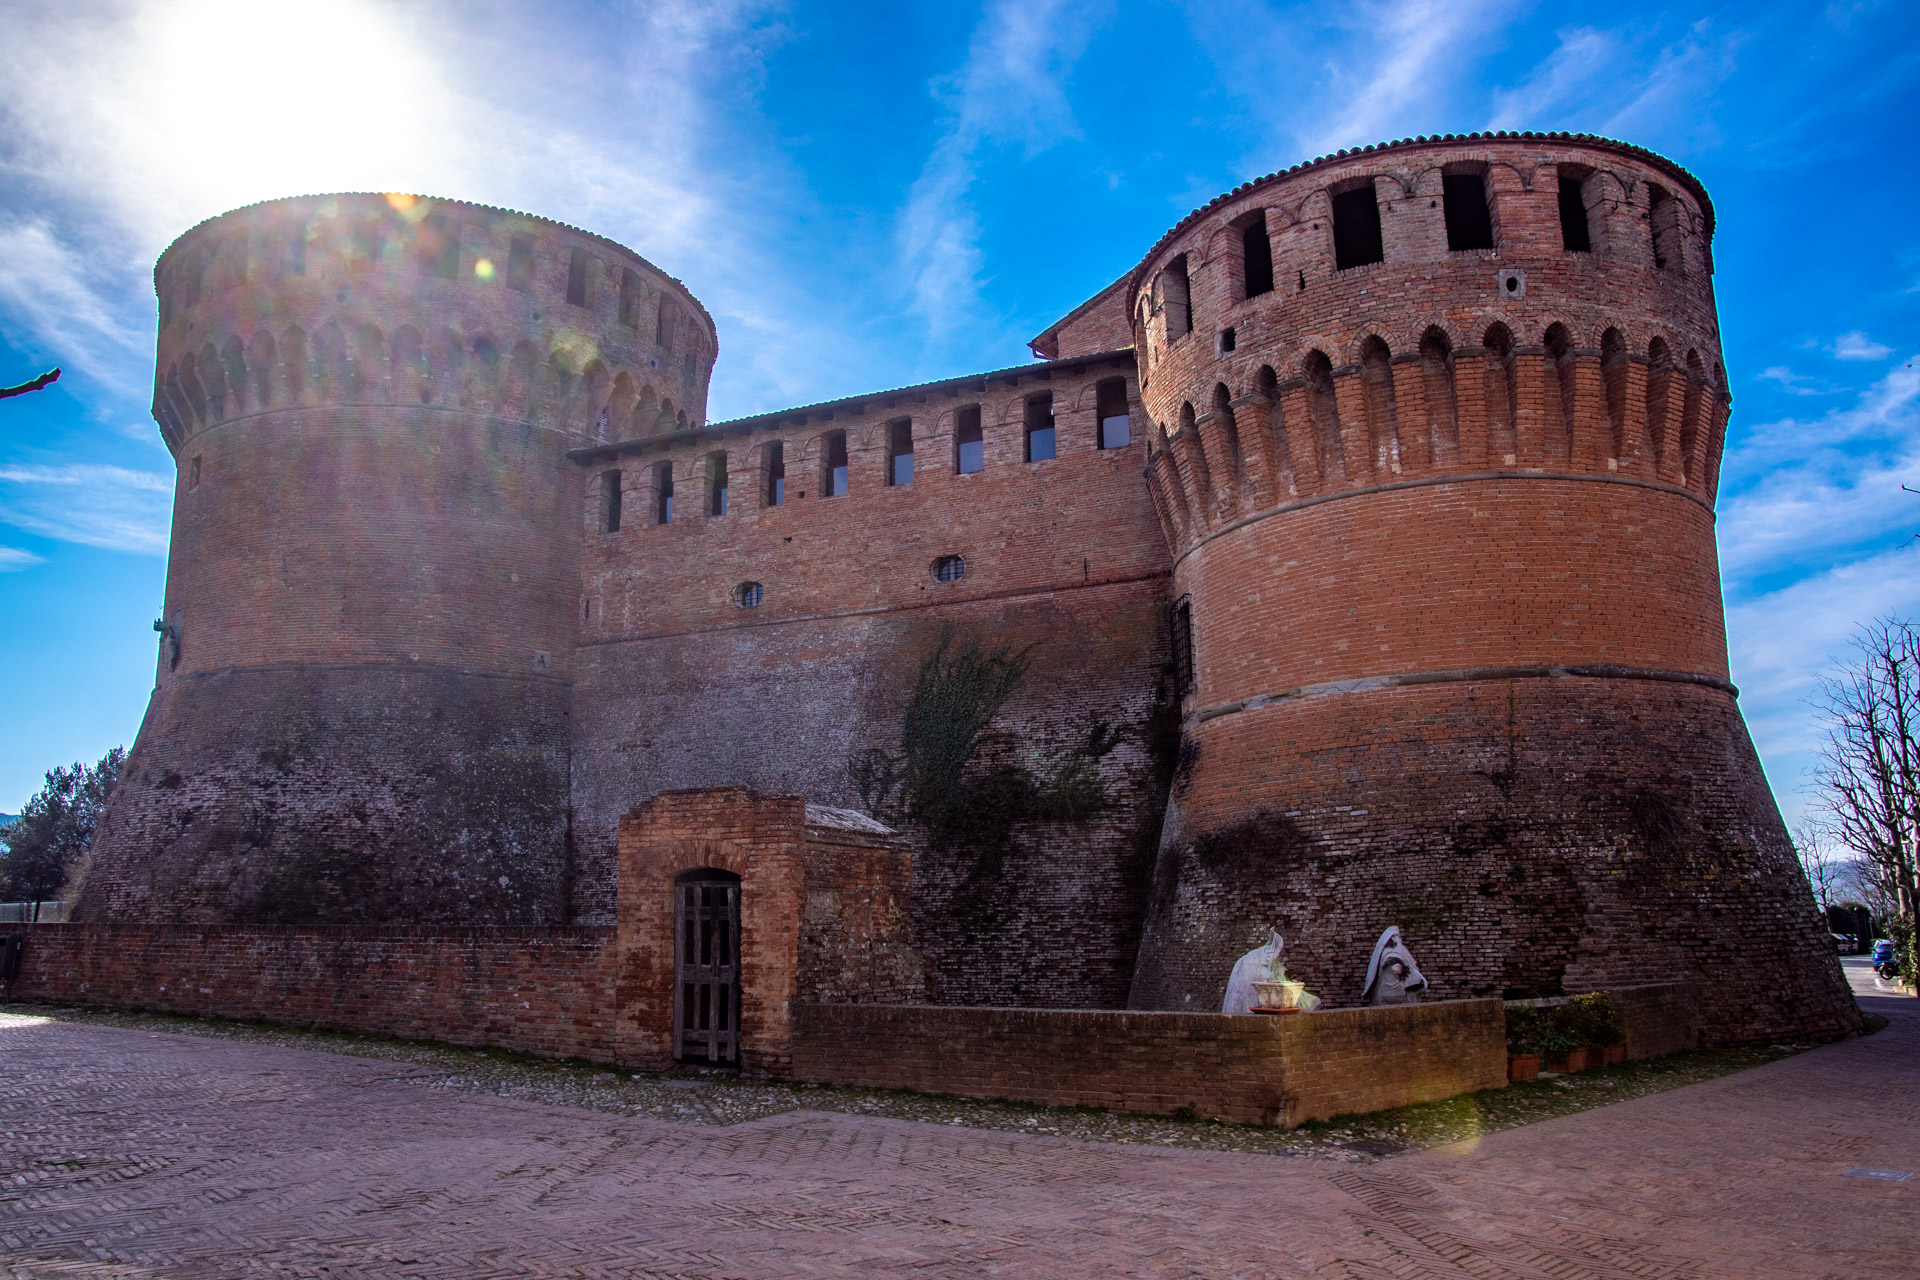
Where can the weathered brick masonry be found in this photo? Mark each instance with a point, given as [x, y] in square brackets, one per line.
[1439, 518]
[547, 991]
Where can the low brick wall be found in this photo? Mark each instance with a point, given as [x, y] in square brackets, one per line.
[542, 991]
[1659, 1018]
[1248, 1069]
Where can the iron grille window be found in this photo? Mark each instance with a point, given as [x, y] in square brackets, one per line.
[949, 569]
[748, 595]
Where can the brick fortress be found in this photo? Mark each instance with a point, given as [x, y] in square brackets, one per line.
[1370, 515]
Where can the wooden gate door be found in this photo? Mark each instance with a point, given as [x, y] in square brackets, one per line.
[706, 1002]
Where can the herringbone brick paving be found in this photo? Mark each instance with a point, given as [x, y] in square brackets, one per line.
[131, 1153]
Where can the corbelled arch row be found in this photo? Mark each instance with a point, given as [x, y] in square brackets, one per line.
[1438, 401]
[356, 364]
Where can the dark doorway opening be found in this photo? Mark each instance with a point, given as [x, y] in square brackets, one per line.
[706, 966]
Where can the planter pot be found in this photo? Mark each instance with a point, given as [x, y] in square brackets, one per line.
[1576, 1060]
[1615, 1054]
[1523, 1066]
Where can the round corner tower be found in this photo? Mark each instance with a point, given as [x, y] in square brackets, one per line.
[1437, 432]
[373, 590]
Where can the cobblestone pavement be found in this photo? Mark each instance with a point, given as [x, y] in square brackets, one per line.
[135, 1153]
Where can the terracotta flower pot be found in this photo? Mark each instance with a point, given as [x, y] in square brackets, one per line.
[1575, 1060]
[1523, 1066]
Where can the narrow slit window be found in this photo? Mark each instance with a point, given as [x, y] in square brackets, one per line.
[520, 264]
[193, 474]
[630, 297]
[776, 474]
[577, 273]
[833, 481]
[900, 452]
[1040, 427]
[1356, 229]
[1257, 255]
[439, 247]
[1116, 423]
[949, 569]
[1575, 235]
[609, 502]
[717, 483]
[969, 447]
[1181, 626]
[663, 493]
[1469, 219]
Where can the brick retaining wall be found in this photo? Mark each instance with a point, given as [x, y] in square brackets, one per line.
[1249, 1070]
[541, 991]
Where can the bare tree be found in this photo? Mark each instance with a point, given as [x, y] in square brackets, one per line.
[1869, 777]
[1822, 860]
[46, 379]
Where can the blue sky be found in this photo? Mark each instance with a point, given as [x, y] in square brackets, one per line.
[870, 195]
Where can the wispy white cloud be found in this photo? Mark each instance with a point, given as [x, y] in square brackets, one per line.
[99, 506]
[69, 307]
[1568, 75]
[1011, 92]
[1389, 83]
[1793, 383]
[12, 558]
[1857, 346]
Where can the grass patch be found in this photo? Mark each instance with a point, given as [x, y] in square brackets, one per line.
[689, 1095]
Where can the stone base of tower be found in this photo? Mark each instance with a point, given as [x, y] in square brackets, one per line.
[1530, 837]
[340, 795]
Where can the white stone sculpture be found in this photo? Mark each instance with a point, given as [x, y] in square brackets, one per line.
[1392, 976]
[1255, 966]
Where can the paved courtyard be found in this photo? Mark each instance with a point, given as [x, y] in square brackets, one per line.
[132, 1153]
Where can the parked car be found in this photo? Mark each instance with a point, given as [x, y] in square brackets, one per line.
[1847, 944]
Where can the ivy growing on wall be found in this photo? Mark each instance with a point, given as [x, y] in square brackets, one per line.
[939, 777]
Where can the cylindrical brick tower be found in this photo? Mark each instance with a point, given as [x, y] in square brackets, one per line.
[374, 585]
[1439, 425]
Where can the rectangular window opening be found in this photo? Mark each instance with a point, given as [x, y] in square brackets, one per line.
[1040, 427]
[663, 493]
[1116, 422]
[1469, 219]
[1176, 298]
[900, 452]
[1257, 254]
[833, 481]
[1574, 232]
[193, 474]
[365, 243]
[1665, 216]
[717, 483]
[297, 249]
[969, 447]
[1356, 229]
[630, 297]
[520, 264]
[577, 270]
[663, 327]
[439, 247]
[776, 474]
[609, 502]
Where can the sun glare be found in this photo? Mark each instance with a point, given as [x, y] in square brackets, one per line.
[248, 100]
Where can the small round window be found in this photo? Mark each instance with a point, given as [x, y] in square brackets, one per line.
[949, 569]
[748, 594]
